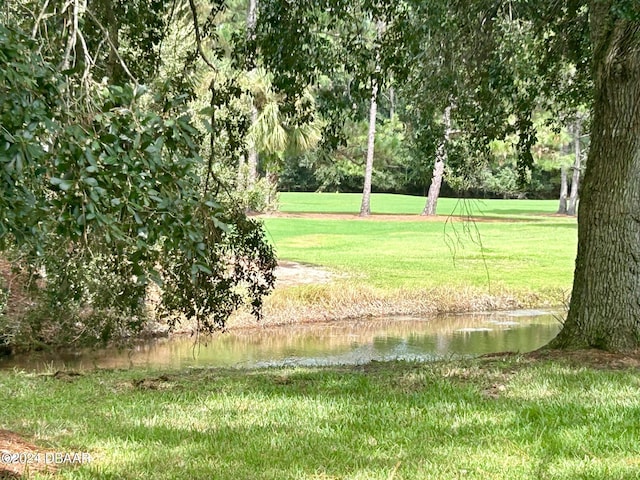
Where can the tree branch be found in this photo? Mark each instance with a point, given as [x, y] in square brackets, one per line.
[194, 14]
[88, 61]
[39, 19]
[113, 47]
[71, 40]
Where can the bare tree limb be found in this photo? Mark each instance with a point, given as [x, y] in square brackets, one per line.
[71, 39]
[194, 14]
[36, 25]
[88, 61]
[113, 47]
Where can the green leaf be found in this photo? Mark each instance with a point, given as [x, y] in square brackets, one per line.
[221, 225]
[61, 183]
[139, 91]
[155, 276]
[198, 267]
[90, 158]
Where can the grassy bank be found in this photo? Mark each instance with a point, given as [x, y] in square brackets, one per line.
[513, 253]
[508, 418]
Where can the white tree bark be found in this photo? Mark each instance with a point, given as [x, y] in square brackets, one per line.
[365, 207]
[252, 153]
[564, 189]
[251, 18]
[438, 168]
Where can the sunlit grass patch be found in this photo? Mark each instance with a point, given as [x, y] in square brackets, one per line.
[392, 254]
[428, 264]
[386, 203]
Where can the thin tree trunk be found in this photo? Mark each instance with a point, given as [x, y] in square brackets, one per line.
[252, 154]
[251, 18]
[438, 168]
[564, 189]
[575, 176]
[365, 207]
[272, 190]
[605, 304]
[241, 173]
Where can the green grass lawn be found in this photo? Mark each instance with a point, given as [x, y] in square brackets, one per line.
[386, 203]
[530, 251]
[483, 419]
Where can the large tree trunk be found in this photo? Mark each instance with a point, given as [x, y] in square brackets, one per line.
[365, 206]
[572, 207]
[564, 190]
[438, 168]
[605, 303]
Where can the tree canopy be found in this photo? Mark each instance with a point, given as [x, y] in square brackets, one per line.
[105, 189]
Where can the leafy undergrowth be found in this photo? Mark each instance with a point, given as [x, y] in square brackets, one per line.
[544, 415]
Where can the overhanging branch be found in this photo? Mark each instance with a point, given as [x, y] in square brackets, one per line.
[194, 14]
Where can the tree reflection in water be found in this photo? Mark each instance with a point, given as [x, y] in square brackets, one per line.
[345, 342]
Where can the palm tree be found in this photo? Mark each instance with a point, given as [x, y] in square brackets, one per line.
[272, 134]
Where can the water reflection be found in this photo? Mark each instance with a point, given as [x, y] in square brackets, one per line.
[335, 343]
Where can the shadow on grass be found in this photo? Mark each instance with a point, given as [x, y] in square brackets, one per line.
[400, 420]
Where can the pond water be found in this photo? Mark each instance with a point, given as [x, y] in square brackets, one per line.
[336, 343]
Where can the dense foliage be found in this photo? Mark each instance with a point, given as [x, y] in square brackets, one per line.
[497, 68]
[105, 192]
[109, 181]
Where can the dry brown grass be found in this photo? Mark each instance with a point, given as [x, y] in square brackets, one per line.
[349, 299]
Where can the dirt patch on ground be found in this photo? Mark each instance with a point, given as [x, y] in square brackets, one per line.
[19, 458]
[590, 358]
[290, 274]
[163, 382]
